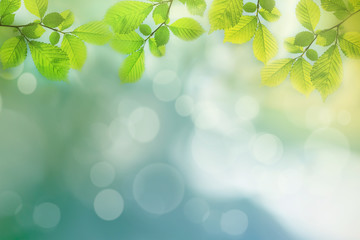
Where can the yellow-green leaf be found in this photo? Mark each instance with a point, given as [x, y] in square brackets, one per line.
[225, 14]
[13, 52]
[33, 31]
[69, 19]
[133, 67]
[155, 49]
[162, 36]
[51, 61]
[54, 38]
[308, 14]
[350, 44]
[9, 6]
[96, 32]
[300, 76]
[196, 7]
[127, 43]
[267, 4]
[276, 72]
[36, 7]
[53, 20]
[243, 31]
[264, 45]
[304, 38]
[290, 46]
[75, 49]
[186, 29]
[327, 72]
[160, 13]
[272, 16]
[126, 16]
[326, 38]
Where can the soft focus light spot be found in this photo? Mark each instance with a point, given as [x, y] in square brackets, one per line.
[196, 210]
[47, 215]
[247, 108]
[166, 85]
[234, 222]
[143, 124]
[319, 116]
[267, 149]
[102, 174]
[158, 188]
[10, 203]
[344, 118]
[11, 73]
[206, 115]
[184, 105]
[108, 204]
[27, 83]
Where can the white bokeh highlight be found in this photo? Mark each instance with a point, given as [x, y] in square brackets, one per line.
[234, 222]
[108, 204]
[47, 215]
[143, 124]
[102, 174]
[27, 83]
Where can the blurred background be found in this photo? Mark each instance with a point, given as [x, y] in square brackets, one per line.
[197, 149]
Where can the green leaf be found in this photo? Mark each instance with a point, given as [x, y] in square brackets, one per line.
[13, 52]
[326, 38]
[225, 14]
[33, 31]
[145, 29]
[350, 44]
[267, 4]
[156, 50]
[243, 31]
[300, 76]
[54, 38]
[36, 7]
[327, 72]
[312, 54]
[126, 16]
[53, 20]
[333, 5]
[276, 72]
[186, 29]
[75, 49]
[160, 13]
[162, 36]
[290, 46]
[354, 5]
[96, 32]
[304, 38]
[51, 61]
[9, 6]
[196, 7]
[272, 16]
[8, 19]
[308, 14]
[69, 19]
[264, 44]
[133, 67]
[127, 43]
[250, 7]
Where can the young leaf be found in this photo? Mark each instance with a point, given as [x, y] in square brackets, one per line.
[127, 43]
[37, 7]
[51, 61]
[276, 72]
[333, 5]
[304, 38]
[13, 52]
[96, 32]
[300, 76]
[272, 16]
[160, 13]
[326, 38]
[133, 67]
[225, 14]
[264, 44]
[250, 7]
[53, 20]
[350, 44]
[243, 31]
[186, 29]
[162, 36]
[54, 38]
[75, 49]
[155, 49]
[69, 19]
[8, 19]
[126, 16]
[267, 4]
[196, 7]
[327, 72]
[8, 7]
[312, 54]
[33, 31]
[145, 29]
[290, 46]
[308, 14]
